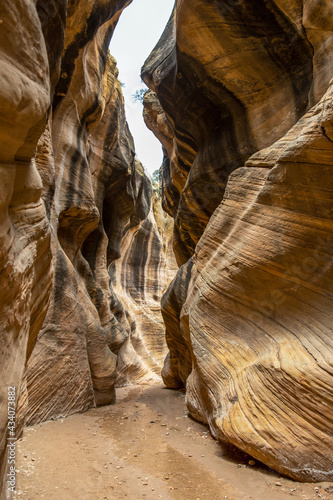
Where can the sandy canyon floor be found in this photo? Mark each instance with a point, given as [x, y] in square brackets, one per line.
[145, 446]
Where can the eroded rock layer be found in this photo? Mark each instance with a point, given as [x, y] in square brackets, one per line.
[249, 314]
[101, 196]
[26, 270]
[73, 198]
[139, 277]
[231, 78]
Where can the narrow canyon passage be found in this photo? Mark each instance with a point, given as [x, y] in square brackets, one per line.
[145, 446]
[213, 274]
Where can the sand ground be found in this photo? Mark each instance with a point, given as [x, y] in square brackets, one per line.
[145, 446]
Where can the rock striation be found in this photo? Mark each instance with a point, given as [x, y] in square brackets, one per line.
[100, 209]
[139, 277]
[242, 103]
[83, 260]
[25, 255]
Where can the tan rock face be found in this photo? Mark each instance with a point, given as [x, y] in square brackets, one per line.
[26, 271]
[237, 79]
[100, 212]
[73, 199]
[165, 228]
[249, 314]
[140, 277]
[73, 345]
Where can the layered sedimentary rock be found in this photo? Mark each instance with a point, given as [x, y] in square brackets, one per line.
[73, 342]
[165, 228]
[73, 197]
[101, 197]
[249, 314]
[26, 270]
[231, 78]
[141, 275]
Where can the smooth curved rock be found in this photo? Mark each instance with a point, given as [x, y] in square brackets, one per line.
[249, 315]
[73, 344]
[97, 334]
[231, 78]
[141, 276]
[25, 257]
[72, 198]
[259, 311]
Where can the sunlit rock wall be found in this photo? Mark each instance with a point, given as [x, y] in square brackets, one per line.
[249, 314]
[73, 342]
[72, 198]
[72, 366]
[25, 255]
[93, 335]
[165, 228]
[141, 276]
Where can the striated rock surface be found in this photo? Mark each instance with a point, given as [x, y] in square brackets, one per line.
[72, 366]
[94, 333]
[25, 257]
[231, 78]
[140, 277]
[165, 228]
[73, 200]
[249, 314]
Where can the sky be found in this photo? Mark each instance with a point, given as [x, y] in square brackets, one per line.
[139, 28]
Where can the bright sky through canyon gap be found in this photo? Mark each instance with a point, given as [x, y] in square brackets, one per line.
[139, 28]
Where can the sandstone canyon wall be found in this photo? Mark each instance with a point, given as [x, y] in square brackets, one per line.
[242, 102]
[74, 198]
[143, 271]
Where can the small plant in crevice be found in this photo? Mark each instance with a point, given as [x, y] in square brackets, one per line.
[139, 94]
[156, 182]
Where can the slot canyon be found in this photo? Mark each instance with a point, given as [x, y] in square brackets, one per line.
[172, 342]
